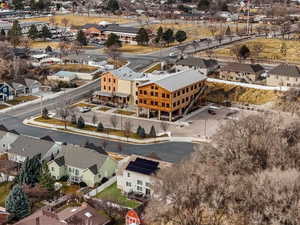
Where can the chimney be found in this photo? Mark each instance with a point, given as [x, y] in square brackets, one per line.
[37, 221]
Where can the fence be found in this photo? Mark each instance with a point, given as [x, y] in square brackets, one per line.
[102, 187]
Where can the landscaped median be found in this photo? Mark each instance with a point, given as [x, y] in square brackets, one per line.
[90, 130]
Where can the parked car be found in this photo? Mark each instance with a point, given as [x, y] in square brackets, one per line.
[84, 109]
[211, 112]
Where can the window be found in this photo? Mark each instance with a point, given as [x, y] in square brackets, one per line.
[148, 184]
[145, 92]
[141, 92]
[114, 80]
[182, 101]
[109, 88]
[156, 103]
[128, 184]
[104, 79]
[136, 84]
[145, 101]
[151, 102]
[151, 93]
[156, 94]
[104, 87]
[108, 79]
[174, 95]
[187, 99]
[52, 168]
[70, 170]
[128, 174]
[114, 89]
[168, 96]
[174, 104]
[152, 87]
[163, 104]
[139, 188]
[168, 105]
[141, 101]
[156, 88]
[163, 95]
[183, 91]
[76, 172]
[187, 89]
[139, 182]
[136, 93]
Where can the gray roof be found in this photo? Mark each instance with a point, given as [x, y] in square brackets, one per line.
[240, 67]
[286, 70]
[2, 133]
[60, 161]
[81, 157]
[198, 62]
[30, 146]
[178, 80]
[125, 73]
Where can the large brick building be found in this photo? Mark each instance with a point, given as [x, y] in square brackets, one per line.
[170, 96]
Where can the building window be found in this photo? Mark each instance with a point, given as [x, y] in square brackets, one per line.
[136, 93]
[70, 170]
[156, 88]
[109, 88]
[136, 84]
[145, 92]
[174, 95]
[140, 101]
[139, 188]
[151, 93]
[174, 104]
[141, 92]
[109, 80]
[128, 184]
[183, 91]
[148, 184]
[152, 87]
[76, 172]
[156, 103]
[104, 87]
[182, 101]
[163, 104]
[168, 105]
[114, 80]
[145, 101]
[52, 168]
[139, 182]
[151, 102]
[187, 89]
[156, 94]
[104, 79]
[128, 174]
[163, 95]
[187, 99]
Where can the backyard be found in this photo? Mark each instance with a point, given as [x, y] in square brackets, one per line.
[113, 194]
[4, 191]
[77, 20]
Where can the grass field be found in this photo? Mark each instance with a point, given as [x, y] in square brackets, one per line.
[72, 67]
[220, 93]
[112, 193]
[77, 20]
[83, 104]
[124, 112]
[21, 99]
[138, 49]
[271, 50]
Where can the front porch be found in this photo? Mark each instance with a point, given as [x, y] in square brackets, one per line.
[114, 99]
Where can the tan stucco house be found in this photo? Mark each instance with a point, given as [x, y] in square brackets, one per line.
[284, 75]
[241, 72]
[82, 165]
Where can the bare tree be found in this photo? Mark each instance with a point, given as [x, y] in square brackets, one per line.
[290, 101]
[127, 128]
[235, 50]
[113, 121]
[64, 110]
[113, 52]
[94, 119]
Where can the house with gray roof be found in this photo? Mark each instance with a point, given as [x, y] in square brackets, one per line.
[82, 164]
[284, 75]
[126, 34]
[205, 66]
[25, 86]
[241, 72]
[25, 146]
[6, 139]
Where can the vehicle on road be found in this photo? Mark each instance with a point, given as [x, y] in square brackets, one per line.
[211, 112]
[174, 54]
[84, 109]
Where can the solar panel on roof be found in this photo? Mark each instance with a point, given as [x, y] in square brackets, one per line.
[146, 162]
[141, 168]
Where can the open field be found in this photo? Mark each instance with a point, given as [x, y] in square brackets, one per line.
[72, 67]
[112, 193]
[219, 93]
[271, 50]
[77, 20]
[138, 49]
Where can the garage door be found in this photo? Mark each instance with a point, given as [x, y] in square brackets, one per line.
[35, 90]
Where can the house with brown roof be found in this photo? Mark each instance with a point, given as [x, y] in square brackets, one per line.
[84, 214]
[241, 72]
[284, 75]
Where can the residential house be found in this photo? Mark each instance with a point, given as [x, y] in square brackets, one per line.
[284, 75]
[205, 66]
[171, 96]
[84, 214]
[137, 174]
[120, 86]
[25, 26]
[132, 218]
[82, 165]
[241, 72]
[6, 139]
[6, 92]
[25, 86]
[126, 34]
[25, 146]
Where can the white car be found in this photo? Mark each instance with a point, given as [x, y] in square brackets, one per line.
[84, 109]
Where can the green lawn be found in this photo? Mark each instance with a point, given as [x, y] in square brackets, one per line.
[4, 191]
[112, 193]
[104, 108]
[124, 112]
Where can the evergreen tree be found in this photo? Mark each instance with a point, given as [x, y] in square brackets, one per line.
[138, 130]
[73, 119]
[15, 34]
[159, 35]
[81, 38]
[244, 52]
[180, 36]
[45, 179]
[113, 40]
[203, 5]
[48, 49]
[113, 5]
[18, 4]
[168, 36]
[17, 203]
[45, 32]
[142, 37]
[228, 31]
[142, 132]
[33, 32]
[224, 7]
[80, 123]
[30, 171]
[152, 132]
[45, 113]
[100, 127]
[2, 33]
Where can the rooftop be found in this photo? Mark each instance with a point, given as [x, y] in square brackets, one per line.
[240, 67]
[286, 70]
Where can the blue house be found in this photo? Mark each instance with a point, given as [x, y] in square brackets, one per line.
[6, 92]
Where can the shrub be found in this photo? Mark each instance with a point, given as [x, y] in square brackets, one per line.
[74, 119]
[80, 123]
[45, 113]
[152, 132]
[100, 127]
[64, 178]
[138, 130]
[142, 132]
